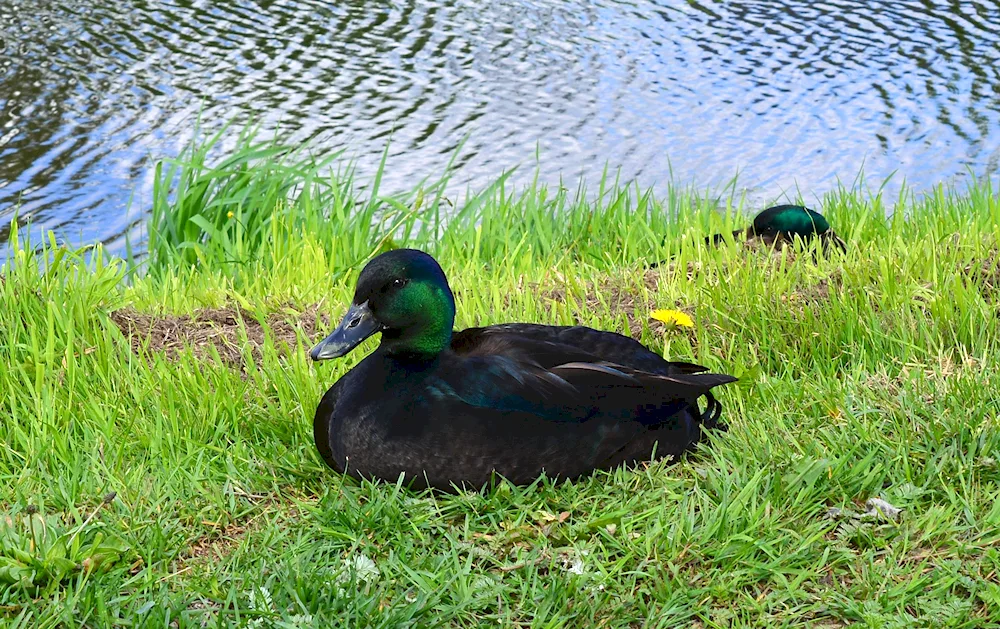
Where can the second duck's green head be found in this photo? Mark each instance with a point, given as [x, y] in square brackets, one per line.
[790, 219]
[403, 294]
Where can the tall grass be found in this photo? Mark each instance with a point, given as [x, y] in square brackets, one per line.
[254, 203]
[869, 374]
[259, 202]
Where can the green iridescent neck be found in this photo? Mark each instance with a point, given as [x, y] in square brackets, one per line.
[430, 333]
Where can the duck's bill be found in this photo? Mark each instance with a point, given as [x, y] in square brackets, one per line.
[358, 324]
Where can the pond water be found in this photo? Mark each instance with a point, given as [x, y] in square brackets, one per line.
[790, 95]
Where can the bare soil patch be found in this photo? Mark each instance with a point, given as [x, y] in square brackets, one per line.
[618, 299]
[231, 332]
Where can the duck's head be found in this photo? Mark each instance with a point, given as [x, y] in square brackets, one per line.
[794, 220]
[403, 294]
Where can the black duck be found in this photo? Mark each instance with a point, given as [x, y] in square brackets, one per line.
[451, 408]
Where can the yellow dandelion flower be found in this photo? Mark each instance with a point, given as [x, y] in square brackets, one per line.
[229, 215]
[675, 317]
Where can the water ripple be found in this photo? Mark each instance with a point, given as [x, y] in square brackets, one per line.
[792, 94]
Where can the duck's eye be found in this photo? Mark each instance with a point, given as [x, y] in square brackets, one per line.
[398, 282]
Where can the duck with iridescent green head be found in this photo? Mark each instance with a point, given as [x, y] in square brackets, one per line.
[448, 409]
[782, 225]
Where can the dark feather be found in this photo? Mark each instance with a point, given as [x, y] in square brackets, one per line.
[564, 344]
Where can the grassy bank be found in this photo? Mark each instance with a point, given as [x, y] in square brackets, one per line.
[870, 375]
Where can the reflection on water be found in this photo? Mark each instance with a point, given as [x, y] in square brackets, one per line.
[788, 93]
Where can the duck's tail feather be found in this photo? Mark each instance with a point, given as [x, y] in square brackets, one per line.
[830, 237]
[709, 380]
[713, 411]
[696, 385]
[711, 241]
[718, 239]
[709, 418]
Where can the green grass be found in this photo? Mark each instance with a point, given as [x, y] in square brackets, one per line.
[872, 374]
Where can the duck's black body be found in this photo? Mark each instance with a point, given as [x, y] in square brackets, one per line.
[515, 399]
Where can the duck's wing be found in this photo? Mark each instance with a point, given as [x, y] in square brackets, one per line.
[557, 361]
[480, 414]
[670, 391]
[717, 239]
[829, 237]
[674, 392]
[517, 379]
[551, 345]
